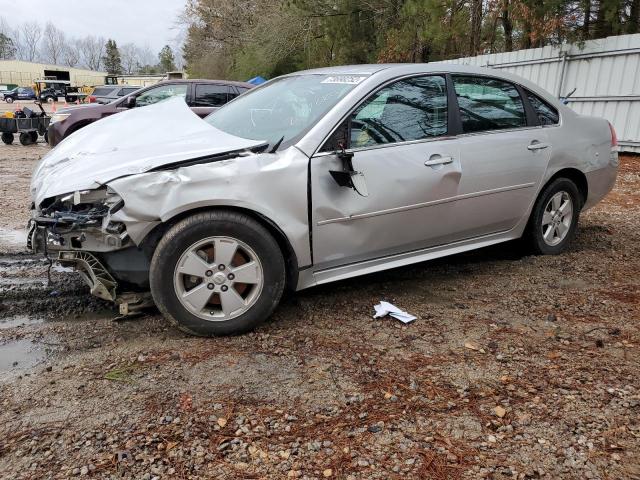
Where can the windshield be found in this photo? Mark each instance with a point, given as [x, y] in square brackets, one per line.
[285, 108]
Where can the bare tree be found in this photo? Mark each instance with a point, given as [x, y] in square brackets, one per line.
[28, 39]
[73, 53]
[53, 44]
[92, 51]
[130, 57]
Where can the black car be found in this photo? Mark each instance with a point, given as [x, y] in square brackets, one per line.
[20, 93]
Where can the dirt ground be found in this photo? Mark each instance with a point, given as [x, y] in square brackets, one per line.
[517, 367]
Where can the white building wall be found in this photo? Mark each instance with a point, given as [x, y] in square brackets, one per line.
[24, 73]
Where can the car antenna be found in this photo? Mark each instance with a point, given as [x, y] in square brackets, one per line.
[277, 145]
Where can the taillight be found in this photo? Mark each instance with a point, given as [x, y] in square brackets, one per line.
[92, 99]
[614, 137]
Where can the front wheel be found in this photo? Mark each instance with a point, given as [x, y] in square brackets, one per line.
[9, 100]
[7, 138]
[217, 273]
[26, 138]
[554, 218]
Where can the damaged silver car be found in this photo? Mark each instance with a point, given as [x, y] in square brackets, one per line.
[311, 178]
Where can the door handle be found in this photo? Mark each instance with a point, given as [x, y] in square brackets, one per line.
[438, 161]
[537, 146]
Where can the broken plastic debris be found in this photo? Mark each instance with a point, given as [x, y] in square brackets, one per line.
[385, 308]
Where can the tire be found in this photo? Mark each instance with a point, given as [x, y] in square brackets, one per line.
[34, 137]
[26, 139]
[9, 100]
[551, 229]
[215, 232]
[50, 99]
[8, 138]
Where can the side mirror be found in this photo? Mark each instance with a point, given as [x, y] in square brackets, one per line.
[130, 102]
[348, 177]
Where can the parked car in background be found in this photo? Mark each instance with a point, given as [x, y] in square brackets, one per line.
[109, 93]
[312, 178]
[203, 96]
[20, 93]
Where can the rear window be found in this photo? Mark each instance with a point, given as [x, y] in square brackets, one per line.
[103, 91]
[488, 104]
[547, 115]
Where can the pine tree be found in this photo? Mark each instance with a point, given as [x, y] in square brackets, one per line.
[167, 59]
[112, 61]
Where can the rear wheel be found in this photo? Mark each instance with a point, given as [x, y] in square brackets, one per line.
[7, 138]
[217, 273]
[34, 137]
[554, 219]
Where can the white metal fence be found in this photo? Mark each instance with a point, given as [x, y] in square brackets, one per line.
[605, 74]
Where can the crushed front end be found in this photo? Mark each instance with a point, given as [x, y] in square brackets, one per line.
[78, 230]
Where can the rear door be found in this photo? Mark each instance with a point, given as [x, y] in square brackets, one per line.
[399, 140]
[503, 153]
[209, 97]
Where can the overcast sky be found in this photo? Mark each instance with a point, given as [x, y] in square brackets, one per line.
[143, 22]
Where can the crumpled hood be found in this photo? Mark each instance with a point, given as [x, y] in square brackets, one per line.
[129, 143]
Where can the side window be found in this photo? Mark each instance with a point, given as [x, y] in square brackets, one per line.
[211, 95]
[160, 93]
[547, 115]
[411, 109]
[488, 104]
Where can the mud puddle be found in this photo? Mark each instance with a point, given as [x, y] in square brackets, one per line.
[13, 238]
[19, 321]
[19, 356]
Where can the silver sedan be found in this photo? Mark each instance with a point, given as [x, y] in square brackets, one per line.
[311, 178]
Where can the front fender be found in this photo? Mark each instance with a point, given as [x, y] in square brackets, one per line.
[271, 185]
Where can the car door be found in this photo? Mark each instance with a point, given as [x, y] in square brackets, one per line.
[503, 154]
[399, 140]
[209, 97]
[23, 94]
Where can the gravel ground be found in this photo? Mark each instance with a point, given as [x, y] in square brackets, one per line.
[517, 367]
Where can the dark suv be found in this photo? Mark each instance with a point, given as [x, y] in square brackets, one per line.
[203, 96]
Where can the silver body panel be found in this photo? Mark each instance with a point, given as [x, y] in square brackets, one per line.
[414, 212]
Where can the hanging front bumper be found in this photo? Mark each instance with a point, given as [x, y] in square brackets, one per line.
[101, 282]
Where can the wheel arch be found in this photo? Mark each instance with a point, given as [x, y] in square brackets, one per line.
[77, 126]
[150, 242]
[576, 176]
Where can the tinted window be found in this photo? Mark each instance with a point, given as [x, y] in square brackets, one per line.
[547, 115]
[411, 109]
[160, 93]
[211, 95]
[127, 91]
[103, 91]
[488, 104]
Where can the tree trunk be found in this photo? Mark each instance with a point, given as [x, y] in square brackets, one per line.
[586, 26]
[507, 26]
[633, 24]
[603, 27]
[476, 27]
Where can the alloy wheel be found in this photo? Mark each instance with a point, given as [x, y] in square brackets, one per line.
[557, 218]
[218, 278]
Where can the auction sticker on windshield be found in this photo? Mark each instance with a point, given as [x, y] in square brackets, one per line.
[344, 79]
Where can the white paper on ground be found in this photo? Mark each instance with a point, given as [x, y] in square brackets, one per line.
[385, 308]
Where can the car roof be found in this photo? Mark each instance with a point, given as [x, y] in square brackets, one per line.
[203, 80]
[390, 70]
